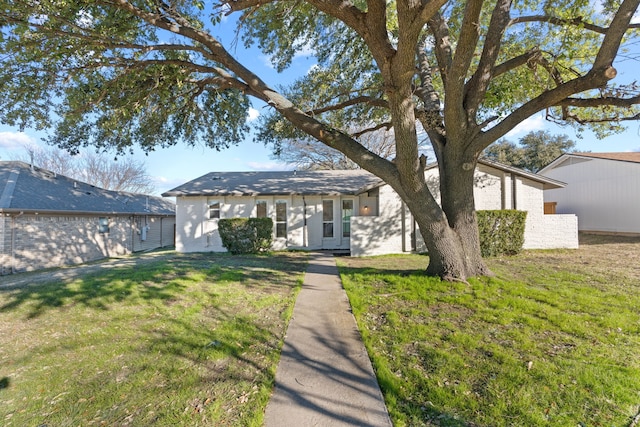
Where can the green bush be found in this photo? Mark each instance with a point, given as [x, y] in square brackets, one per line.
[501, 232]
[246, 235]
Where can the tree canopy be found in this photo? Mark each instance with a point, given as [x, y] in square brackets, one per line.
[534, 151]
[119, 73]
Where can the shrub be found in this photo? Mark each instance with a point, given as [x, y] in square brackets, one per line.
[501, 232]
[246, 235]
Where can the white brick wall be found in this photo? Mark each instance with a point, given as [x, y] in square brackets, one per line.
[551, 232]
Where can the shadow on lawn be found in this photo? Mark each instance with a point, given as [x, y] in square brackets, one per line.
[160, 280]
[97, 290]
[210, 338]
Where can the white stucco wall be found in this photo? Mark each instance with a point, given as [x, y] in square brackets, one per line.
[605, 194]
[493, 189]
[383, 234]
[195, 232]
[384, 227]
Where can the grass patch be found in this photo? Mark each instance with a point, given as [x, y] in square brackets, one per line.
[184, 340]
[547, 342]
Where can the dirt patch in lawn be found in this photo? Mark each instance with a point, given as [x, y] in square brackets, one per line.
[607, 256]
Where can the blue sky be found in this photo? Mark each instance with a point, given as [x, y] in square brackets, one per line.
[170, 167]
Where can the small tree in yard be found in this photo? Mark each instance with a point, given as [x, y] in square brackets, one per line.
[113, 73]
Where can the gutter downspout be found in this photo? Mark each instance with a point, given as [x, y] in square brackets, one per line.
[404, 227]
[514, 192]
[304, 224]
[13, 242]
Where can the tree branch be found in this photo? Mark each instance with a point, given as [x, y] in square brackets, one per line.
[578, 22]
[600, 73]
[476, 87]
[348, 103]
[239, 5]
[428, 10]
[442, 46]
[454, 111]
[358, 134]
[599, 102]
[431, 117]
[613, 37]
[527, 58]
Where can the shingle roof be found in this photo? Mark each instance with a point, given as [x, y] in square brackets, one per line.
[624, 157]
[333, 182]
[326, 182]
[26, 188]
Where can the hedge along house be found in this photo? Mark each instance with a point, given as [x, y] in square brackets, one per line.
[350, 210]
[50, 220]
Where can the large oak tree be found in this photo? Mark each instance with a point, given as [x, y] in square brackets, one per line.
[113, 73]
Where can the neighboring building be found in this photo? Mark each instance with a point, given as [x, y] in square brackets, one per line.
[603, 189]
[50, 220]
[350, 210]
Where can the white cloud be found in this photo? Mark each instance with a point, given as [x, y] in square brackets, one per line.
[268, 166]
[15, 140]
[267, 61]
[531, 124]
[313, 68]
[306, 50]
[253, 114]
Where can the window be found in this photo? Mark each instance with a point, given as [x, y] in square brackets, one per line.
[347, 211]
[261, 209]
[281, 218]
[103, 225]
[214, 210]
[327, 218]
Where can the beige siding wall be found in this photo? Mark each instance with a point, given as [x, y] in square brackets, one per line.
[605, 194]
[158, 233]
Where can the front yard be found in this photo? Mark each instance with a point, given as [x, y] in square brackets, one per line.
[184, 340]
[193, 339]
[552, 340]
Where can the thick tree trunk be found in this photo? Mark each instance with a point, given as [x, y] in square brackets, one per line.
[457, 176]
[454, 250]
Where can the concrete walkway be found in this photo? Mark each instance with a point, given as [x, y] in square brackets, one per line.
[324, 377]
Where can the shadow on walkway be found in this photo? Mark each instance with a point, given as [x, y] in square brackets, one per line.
[324, 377]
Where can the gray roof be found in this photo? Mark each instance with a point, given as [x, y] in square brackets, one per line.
[350, 182]
[548, 183]
[326, 182]
[30, 189]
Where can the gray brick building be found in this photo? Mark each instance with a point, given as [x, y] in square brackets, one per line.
[50, 220]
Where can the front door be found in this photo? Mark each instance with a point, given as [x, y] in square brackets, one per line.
[330, 234]
[336, 222]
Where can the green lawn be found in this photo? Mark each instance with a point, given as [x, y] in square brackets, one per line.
[194, 339]
[552, 340]
[186, 340]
